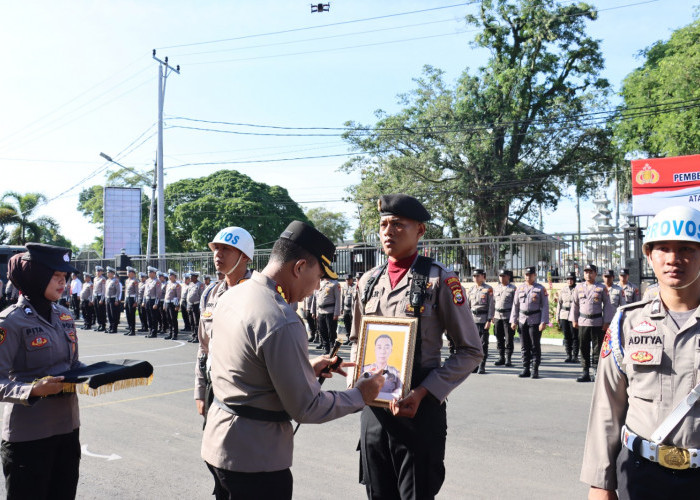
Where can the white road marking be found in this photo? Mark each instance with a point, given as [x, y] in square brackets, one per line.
[85, 451]
[179, 344]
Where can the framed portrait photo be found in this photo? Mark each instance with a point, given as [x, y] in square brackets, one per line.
[387, 344]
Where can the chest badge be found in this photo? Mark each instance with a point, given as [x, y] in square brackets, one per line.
[40, 341]
[644, 327]
[641, 356]
[206, 314]
[65, 317]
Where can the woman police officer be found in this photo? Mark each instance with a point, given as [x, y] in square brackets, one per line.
[40, 445]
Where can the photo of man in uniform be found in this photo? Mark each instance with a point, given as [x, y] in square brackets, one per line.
[383, 347]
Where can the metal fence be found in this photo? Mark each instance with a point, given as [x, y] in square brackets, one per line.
[552, 255]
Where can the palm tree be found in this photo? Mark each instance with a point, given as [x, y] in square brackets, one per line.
[18, 212]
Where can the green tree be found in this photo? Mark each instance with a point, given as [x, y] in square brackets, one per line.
[489, 151]
[333, 224]
[17, 209]
[661, 116]
[197, 209]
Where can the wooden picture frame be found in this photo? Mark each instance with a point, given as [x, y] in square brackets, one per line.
[387, 343]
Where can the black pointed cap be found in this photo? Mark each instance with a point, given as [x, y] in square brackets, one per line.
[313, 241]
[53, 257]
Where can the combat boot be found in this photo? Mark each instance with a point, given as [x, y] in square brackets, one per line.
[482, 368]
[509, 355]
[569, 358]
[501, 359]
[525, 372]
[535, 371]
[585, 376]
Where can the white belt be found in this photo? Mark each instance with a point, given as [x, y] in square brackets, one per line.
[667, 456]
[131, 296]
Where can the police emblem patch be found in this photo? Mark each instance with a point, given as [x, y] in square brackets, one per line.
[607, 345]
[65, 317]
[39, 341]
[3, 335]
[456, 289]
[641, 356]
[206, 314]
[644, 327]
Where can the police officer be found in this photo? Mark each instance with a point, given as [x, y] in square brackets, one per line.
[531, 312]
[615, 293]
[40, 442]
[151, 292]
[308, 312]
[347, 299]
[99, 300]
[143, 313]
[327, 311]
[183, 304]
[591, 313]
[503, 294]
[631, 290]
[194, 296]
[11, 293]
[171, 303]
[643, 437]
[262, 376]
[402, 448]
[75, 287]
[86, 303]
[566, 295]
[233, 249]
[481, 303]
[162, 315]
[207, 282]
[112, 297]
[131, 292]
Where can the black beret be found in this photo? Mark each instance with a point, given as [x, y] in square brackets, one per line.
[53, 257]
[609, 272]
[505, 272]
[403, 205]
[314, 242]
[530, 270]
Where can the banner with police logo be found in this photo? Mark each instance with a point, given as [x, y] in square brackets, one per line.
[664, 182]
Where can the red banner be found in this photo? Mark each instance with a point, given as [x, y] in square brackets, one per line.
[663, 182]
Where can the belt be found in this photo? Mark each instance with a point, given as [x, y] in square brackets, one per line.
[591, 316]
[565, 308]
[667, 456]
[530, 313]
[479, 311]
[252, 412]
[167, 301]
[503, 310]
[131, 296]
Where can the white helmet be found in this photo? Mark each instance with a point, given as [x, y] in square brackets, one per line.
[679, 223]
[235, 237]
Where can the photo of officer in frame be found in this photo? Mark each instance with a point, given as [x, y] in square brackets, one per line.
[387, 345]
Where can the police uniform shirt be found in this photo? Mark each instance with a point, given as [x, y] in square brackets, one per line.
[530, 305]
[328, 298]
[445, 310]
[480, 300]
[651, 292]
[503, 300]
[261, 360]
[591, 300]
[132, 287]
[172, 292]
[309, 304]
[112, 290]
[141, 290]
[632, 293]
[151, 290]
[566, 295]
[347, 297]
[659, 368]
[184, 293]
[161, 293]
[616, 296]
[392, 385]
[205, 332]
[32, 348]
[86, 292]
[194, 293]
[100, 283]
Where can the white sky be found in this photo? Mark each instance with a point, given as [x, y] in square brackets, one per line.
[78, 79]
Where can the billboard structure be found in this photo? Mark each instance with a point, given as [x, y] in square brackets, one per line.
[122, 221]
[663, 182]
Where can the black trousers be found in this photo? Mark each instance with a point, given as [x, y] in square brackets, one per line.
[504, 336]
[403, 458]
[75, 302]
[164, 319]
[88, 313]
[313, 327]
[194, 319]
[172, 318]
[571, 345]
[640, 479]
[590, 335]
[152, 316]
[42, 469]
[131, 313]
[112, 313]
[347, 321]
[143, 316]
[100, 310]
[185, 316]
[327, 328]
[484, 336]
[530, 345]
[229, 485]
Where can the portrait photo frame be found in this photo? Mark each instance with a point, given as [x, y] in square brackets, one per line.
[388, 344]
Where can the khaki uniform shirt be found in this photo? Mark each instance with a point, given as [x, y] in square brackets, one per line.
[86, 292]
[480, 300]
[161, 295]
[32, 348]
[651, 292]
[194, 292]
[660, 366]
[591, 300]
[131, 287]
[503, 301]
[616, 296]
[141, 290]
[11, 292]
[309, 304]
[328, 298]
[566, 296]
[347, 297]
[173, 292]
[100, 284]
[112, 289]
[151, 290]
[185, 293]
[530, 305]
[632, 293]
[445, 310]
[261, 360]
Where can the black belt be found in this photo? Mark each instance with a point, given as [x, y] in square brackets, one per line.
[591, 316]
[479, 311]
[253, 413]
[503, 310]
[530, 313]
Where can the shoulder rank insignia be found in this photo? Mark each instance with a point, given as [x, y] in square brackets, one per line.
[65, 317]
[3, 335]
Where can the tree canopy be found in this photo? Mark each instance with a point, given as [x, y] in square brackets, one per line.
[333, 224]
[17, 211]
[661, 114]
[489, 150]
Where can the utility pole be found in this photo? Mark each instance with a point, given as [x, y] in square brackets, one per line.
[164, 70]
[149, 247]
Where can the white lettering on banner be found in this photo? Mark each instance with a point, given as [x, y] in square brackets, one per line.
[676, 227]
[686, 177]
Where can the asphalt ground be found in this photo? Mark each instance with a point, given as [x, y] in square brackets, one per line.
[508, 438]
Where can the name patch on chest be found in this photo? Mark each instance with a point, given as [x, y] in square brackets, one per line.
[645, 340]
[33, 331]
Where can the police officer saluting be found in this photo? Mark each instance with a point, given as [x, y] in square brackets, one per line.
[503, 294]
[531, 312]
[566, 296]
[643, 437]
[480, 300]
[402, 448]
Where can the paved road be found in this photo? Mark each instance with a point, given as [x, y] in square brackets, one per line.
[508, 438]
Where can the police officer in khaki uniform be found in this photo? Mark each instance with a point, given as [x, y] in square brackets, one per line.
[503, 295]
[591, 314]
[171, 303]
[86, 304]
[530, 314]
[643, 437]
[566, 295]
[151, 292]
[347, 299]
[131, 292]
[112, 297]
[308, 312]
[183, 304]
[616, 294]
[162, 317]
[482, 305]
[99, 301]
[631, 290]
[40, 442]
[233, 249]
[327, 311]
[402, 448]
[262, 376]
[143, 313]
[194, 296]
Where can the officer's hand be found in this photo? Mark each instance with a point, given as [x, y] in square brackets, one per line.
[575, 323]
[369, 387]
[102, 302]
[487, 325]
[320, 363]
[47, 386]
[200, 406]
[155, 307]
[542, 326]
[601, 494]
[335, 318]
[116, 302]
[177, 309]
[513, 326]
[408, 406]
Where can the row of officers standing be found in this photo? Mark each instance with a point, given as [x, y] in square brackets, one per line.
[157, 296]
[583, 310]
